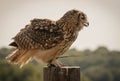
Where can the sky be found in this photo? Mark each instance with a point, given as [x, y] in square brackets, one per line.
[103, 16]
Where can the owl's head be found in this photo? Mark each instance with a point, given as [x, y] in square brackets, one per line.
[77, 17]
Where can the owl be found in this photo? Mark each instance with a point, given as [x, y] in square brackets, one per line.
[45, 40]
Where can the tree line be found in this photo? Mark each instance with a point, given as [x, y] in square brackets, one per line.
[100, 64]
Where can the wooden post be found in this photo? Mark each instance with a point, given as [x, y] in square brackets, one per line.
[69, 73]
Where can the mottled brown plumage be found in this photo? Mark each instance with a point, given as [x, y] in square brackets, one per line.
[45, 40]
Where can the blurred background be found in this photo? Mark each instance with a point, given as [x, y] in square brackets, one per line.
[97, 47]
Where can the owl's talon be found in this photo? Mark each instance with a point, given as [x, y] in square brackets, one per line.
[51, 65]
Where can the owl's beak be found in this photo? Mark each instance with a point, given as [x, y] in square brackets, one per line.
[86, 24]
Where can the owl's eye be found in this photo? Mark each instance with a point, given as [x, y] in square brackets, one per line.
[82, 17]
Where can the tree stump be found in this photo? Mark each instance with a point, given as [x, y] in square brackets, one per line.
[67, 73]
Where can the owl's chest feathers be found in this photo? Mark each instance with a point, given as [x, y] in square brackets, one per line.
[69, 38]
[53, 53]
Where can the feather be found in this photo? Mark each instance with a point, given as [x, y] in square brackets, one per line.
[21, 57]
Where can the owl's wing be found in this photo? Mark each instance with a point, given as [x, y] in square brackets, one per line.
[40, 34]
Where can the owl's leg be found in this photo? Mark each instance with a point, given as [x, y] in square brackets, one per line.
[56, 63]
[50, 64]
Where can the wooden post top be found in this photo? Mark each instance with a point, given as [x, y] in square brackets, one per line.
[65, 67]
[66, 73]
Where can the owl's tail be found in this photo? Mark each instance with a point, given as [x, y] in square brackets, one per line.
[19, 57]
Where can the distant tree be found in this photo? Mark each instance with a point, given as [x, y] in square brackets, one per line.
[101, 50]
[4, 51]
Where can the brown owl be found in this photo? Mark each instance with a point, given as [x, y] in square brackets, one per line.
[45, 40]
